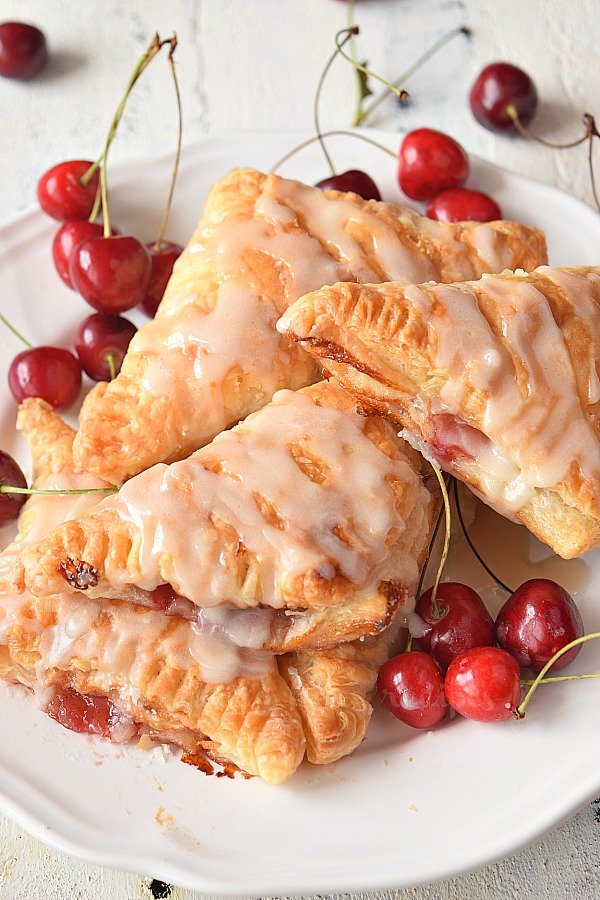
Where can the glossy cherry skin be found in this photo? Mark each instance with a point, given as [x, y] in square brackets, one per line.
[163, 261]
[537, 621]
[353, 180]
[483, 684]
[411, 686]
[10, 473]
[112, 273]
[463, 205]
[498, 86]
[69, 236]
[464, 622]
[99, 336]
[51, 373]
[430, 162]
[61, 194]
[23, 51]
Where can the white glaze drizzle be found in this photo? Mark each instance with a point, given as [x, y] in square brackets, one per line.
[532, 417]
[309, 236]
[121, 639]
[174, 507]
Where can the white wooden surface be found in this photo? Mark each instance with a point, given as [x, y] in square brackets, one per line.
[254, 65]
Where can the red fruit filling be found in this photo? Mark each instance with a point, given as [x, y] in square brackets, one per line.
[91, 714]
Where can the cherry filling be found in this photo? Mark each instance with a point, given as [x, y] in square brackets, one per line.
[450, 439]
[164, 599]
[91, 714]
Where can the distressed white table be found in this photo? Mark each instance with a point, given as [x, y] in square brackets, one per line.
[253, 65]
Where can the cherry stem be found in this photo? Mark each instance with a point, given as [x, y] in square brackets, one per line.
[591, 132]
[10, 489]
[400, 93]
[520, 710]
[141, 65]
[472, 546]
[438, 611]
[165, 218]
[526, 681]
[326, 134]
[110, 359]
[362, 114]
[349, 33]
[16, 333]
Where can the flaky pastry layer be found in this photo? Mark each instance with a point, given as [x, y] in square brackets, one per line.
[496, 380]
[212, 354]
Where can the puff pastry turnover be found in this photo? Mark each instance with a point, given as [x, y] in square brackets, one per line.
[496, 380]
[130, 666]
[212, 354]
[312, 515]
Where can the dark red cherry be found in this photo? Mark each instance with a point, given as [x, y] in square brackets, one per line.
[51, 373]
[61, 193]
[411, 686]
[353, 180]
[100, 340]
[458, 621]
[111, 273]
[462, 205]
[537, 621]
[66, 239]
[23, 50]
[499, 86]
[484, 684]
[430, 162]
[163, 261]
[10, 474]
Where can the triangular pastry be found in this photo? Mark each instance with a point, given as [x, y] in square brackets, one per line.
[495, 380]
[128, 666]
[122, 666]
[212, 354]
[305, 508]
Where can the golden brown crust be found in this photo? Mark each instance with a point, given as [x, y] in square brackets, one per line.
[332, 691]
[251, 722]
[100, 551]
[377, 344]
[125, 427]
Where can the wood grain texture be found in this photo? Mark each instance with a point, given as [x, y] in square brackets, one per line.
[254, 64]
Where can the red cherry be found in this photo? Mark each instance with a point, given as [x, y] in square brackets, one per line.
[62, 195]
[499, 86]
[66, 239]
[484, 684]
[536, 622]
[464, 622]
[99, 337]
[10, 473]
[111, 273]
[23, 51]
[353, 180]
[163, 261]
[463, 205]
[411, 686]
[51, 373]
[429, 162]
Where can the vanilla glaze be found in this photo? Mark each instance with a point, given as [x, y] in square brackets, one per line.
[341, 523]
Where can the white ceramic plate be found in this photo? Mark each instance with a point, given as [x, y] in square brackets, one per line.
[408, 807]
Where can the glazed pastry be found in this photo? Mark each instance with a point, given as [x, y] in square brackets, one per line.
[132, 667]
[198, 684]
[495, 380]
[307, 506]
[212, 354]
